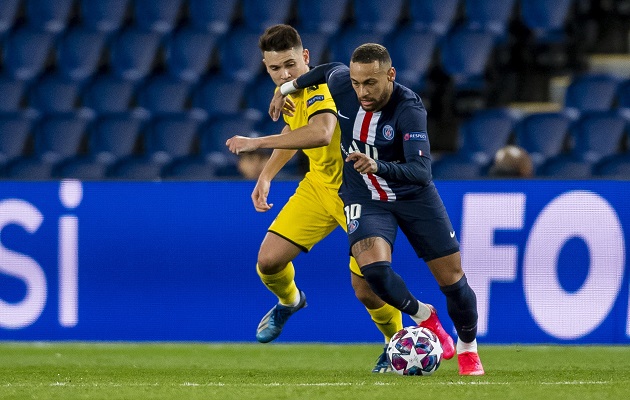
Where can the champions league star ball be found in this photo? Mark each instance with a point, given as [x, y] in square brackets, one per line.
[414, 351]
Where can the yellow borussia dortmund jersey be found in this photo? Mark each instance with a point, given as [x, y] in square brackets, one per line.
[325, 163]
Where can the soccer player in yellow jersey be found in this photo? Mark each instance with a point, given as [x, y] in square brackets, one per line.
[315, 204]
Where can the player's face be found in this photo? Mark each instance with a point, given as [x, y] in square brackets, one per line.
[284, 66]
[373, 84]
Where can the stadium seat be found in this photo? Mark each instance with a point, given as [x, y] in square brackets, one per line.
[164, 94]
[412, 54]
[133, 52]
[377, 16]
[25, 53]
[14, 134]
[623, 95]
[54, 94]
[543, 135]
[189, 52]
[455, 166]
[48, 16]
[79, 53]
[324, 16]
[259, 15]
[219, 95]
[113, 137]
[156, 15]
[433, 15]
[108, 94]
[546, 18]
[170, 137]
[346, 41]
[597, 135]
[190, 168]
[590, 92]
[566, 167]
[490, 15]
[214, 134]
[259, 94]
[267, 126]
[483, 134]
[12, 94]
[8, 11]
[82, 168]
[29, 169]
[104, 16]
[614, 167]
[465, 54]
[317, 45]
[58, 137]
[212, 16]
[136, 168]
[236, 55]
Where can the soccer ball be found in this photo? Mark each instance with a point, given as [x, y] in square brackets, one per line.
[414, 351]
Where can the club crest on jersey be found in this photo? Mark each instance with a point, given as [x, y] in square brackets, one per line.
[312, 88]
[419, 136]
[353, 225]
[388, 132]
[314, 99]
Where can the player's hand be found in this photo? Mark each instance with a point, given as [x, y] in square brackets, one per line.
[259, 195]
[362, 163]
[280, 104]
[241, 144]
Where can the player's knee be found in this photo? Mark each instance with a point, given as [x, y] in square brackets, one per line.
[269, 265]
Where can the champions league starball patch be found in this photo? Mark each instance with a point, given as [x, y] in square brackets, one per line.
[388, 132]
[353, 225]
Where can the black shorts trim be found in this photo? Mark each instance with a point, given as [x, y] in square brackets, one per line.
[304, 249]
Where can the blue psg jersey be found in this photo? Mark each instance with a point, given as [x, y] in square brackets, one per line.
[394, 134]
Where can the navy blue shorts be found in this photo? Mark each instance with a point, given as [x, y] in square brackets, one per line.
[424, 222]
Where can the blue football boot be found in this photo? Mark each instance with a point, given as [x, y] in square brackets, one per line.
[271, 324]
[382, 363]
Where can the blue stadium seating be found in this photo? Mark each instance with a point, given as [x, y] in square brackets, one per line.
[164, 94]
[614, 167]
[25, 53]
[267, 126]
[236, 54]
[324, 16]
[219, 95]
[623, 94]
[597, 135]
[212, 16]
[82, 168]
[8, 11]
[156, 15]
[29, 168]
[104, 16]
[546, 18]
[490, 15]
[377, 16]
[190, 168]
[412, 55]
[113, 137]
[108, 94]
[317, 45]
[14, 133]
[259, 15]
[79, 53]
[455, 166]
[483, 134]
[433, 15]
[590, 92]
[133, 52]
[136, 168]
[543, 135]
[189, 52]
[48, 16]
[343, 44]
[58, 137]
[170, 137]
[566, 167]
[465, 54]
[259, 94]
[12, 94]
[216, 132]
[54, 94]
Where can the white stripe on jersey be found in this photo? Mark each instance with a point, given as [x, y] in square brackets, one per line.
[382, 190]
[358, 125]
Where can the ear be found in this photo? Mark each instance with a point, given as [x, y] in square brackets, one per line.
[306, 56]
[391, 74]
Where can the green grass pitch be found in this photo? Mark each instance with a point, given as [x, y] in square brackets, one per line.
[228, 371]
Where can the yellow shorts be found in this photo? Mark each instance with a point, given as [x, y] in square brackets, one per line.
[310, 215]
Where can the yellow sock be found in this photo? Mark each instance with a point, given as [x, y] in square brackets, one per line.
[282, 284]
[388, 320]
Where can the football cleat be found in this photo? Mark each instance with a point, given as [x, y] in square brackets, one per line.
[382, 363]
[433, 323]
[469, 364]
[271, 324]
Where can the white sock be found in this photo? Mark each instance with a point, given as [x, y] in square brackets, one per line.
[463, 347]
[424, 312]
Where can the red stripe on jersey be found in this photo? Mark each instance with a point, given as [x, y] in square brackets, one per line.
[381, 193]
[365, 126]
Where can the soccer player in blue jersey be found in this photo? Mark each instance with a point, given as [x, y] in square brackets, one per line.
[387, 184]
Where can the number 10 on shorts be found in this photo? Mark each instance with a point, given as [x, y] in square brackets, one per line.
[353, 211]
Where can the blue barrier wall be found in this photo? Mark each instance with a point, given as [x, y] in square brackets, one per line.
[175, 261]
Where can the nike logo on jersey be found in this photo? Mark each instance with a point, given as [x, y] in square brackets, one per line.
[452, 234]
[341, 115]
